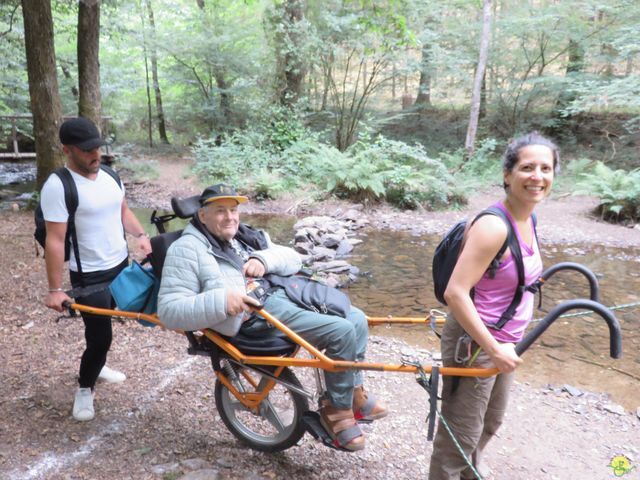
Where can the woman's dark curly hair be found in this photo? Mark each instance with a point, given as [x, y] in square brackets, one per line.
[510, 157]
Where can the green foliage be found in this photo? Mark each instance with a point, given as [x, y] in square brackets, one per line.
[368, 171]
[618, 191]
[137, 171]
[283, 127]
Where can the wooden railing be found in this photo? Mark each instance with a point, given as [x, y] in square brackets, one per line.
[17, 154]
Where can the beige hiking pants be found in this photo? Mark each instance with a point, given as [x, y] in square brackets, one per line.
[474, 411]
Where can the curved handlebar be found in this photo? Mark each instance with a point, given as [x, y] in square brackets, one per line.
[594, 289]
[615, 338]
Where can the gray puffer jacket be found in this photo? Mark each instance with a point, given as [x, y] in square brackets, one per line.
[195, 281]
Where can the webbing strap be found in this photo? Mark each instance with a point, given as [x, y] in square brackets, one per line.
[431, 386]
[433, 401]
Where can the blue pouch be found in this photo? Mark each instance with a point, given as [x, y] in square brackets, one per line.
[135, 289]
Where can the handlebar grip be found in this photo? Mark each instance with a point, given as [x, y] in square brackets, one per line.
[67, 304]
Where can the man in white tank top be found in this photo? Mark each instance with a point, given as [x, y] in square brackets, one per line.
[101, 220]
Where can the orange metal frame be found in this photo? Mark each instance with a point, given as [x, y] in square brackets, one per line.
[318, 360]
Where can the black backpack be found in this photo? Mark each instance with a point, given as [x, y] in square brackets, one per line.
[71, 201]
[449, 248]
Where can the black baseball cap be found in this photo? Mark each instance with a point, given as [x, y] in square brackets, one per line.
[82, 133]
[220, 191]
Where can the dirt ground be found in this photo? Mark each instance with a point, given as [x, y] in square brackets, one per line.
[162, 422]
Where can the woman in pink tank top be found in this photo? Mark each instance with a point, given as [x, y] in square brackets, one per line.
[472, 406]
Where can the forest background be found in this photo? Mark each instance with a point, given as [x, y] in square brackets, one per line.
[399, 100]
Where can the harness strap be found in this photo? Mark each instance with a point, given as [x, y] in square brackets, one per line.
[433, 401]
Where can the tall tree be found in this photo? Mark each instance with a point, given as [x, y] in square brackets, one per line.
[43, 86]
[162, 129]
[89, 101]
[476, 95]
[423, 99]
[291, 67]
[146, 78]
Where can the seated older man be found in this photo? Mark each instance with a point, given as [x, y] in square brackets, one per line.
[204, 286]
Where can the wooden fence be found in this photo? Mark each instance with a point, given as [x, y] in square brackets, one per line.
[17, 154]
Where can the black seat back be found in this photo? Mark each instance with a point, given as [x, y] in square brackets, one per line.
[159, 246]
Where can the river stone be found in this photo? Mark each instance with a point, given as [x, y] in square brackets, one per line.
[301, 236]
[573, 391]
[303, 247]
[225, 462]
[336, 266]
[311, 221]
[638, 412]
[614, 408]
[195, 464]
[321, 253]
[351, 214]
[205, 474]
[314, 235]
[333, 280]
[165, 468]
[344, 247]
[331, 240]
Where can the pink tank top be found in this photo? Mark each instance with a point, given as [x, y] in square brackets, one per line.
[493, 295]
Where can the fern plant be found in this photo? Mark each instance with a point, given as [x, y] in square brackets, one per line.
[618, 191]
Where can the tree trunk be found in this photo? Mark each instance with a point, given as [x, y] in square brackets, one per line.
[162, 129]
[43, 86]
[89, 101]
[225, 97]
[292, 66]
[146, 77]
[483, 98]
[575, 65]
[423, 99]
[470, 141]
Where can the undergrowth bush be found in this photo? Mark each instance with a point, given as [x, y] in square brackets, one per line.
[137, 171]
[618, 191]
[370, 170]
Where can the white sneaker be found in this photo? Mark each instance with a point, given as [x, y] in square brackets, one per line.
[111, 376]
[83, 405]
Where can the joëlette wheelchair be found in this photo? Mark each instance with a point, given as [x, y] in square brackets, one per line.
[257, 394]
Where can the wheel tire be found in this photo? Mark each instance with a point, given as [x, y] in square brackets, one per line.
[278, 424]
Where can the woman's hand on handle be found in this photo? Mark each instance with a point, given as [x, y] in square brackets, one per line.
[505, 358]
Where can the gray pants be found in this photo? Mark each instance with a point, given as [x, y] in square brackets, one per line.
[342, 339]
[474, 411]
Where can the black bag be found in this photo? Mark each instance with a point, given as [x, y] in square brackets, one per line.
[446, 255]
[312, 294]
[71, 201]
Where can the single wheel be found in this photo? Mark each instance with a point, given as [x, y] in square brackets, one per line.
[277, 424]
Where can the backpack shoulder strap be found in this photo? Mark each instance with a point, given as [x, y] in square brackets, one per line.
[498, 213]
[71, 201]
[514, 245]
[70, 190]
[112, 173]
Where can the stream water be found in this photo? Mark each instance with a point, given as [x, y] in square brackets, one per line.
[396, 280]
[17, 181]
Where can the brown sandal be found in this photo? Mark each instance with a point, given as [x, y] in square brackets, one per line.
[366, 407]
[342, 427]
